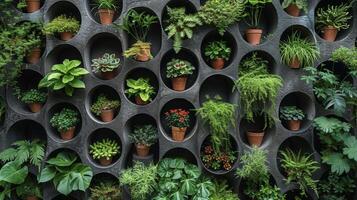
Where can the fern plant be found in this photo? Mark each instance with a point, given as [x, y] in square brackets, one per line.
[222, 191]
[336, 16]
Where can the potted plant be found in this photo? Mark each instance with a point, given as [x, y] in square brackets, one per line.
[106, 10]
[258, 90]
[221, 14]
[34, 98]
[293, 116]
[180, 25]
[105, 108]
[143, 137]
[107, 65]
[296, 51]
[65, 122]
[30, 5]
[217, 52]
[141, 90]
[332, 19]
[104, 151]
[109, 190]
[137, 25]
[178, 120]
[254, 8]
[178, 70]
[293, 7]
[29, 190]
[64, 25]
[65, 76]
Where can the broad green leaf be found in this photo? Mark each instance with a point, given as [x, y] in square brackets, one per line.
[63, 159]
[177, 196]
[47, 174]
[79, 72]
[54, 75]
[351, 148]
[12, 172]
[76, 83]
[338, 163]
[59, 85]
[67, 78]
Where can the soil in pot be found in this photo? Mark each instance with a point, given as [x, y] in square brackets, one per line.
[105, 161]
[294, 125]
[106, 16]
[178, 134]
[254, 36]
[139, 101]
[142, 150]
[144, 54]
[255, 138]
[107, 115]
[35, 107]
[32, 5]
[33, 56]
[109, 75]
[293, 10]
[329, 33]
[69, 134]
[179, 83]
[217, 63]
[294, 63]
[65, 36]
[31, 198]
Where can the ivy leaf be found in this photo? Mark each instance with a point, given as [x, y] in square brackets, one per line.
[338, 163]
[351, 148]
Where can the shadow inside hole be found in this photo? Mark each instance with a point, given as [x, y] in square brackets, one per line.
[62, 52]
[103, 178]
[181, 153]
[271, 63]
[94, 10]
[217, 85]
[302, 31]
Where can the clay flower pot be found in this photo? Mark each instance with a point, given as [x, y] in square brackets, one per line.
[294, 63]
[35, 107]
[294, 125]
[31, 198]
[32, 5]
[330, 33]
[254, 36]
[34, 56]
[105, 161]
[109, 75]
[178, 134]
[65, 36]
[142, 150]
[179, 83]
[69, 134]
[293, 10]
[107, 115]
[106, 16]
[255, 138]
[217, 63]
[144, 54]
[139, 101]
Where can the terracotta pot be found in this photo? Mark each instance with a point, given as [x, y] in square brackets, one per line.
[142, 150]
[31, 198]
[33, 56]
[179, 83]
[294, 63]
[293, 10]
[32, 5]
[217, 63]
[255, 138]
[178, 134]
[69, 134]
[294, 125]
[105, 161]
[139, 101]
[254, 36]
[330, 33]
[35, 107]
[107, 115]
[65, 36]
[144, 54]
[106, 16]
[109, 75]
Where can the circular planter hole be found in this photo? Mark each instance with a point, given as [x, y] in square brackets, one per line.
[60, 53]
[25, 130]
[181, 153]
[217, 85]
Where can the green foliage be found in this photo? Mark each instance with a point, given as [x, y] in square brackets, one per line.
[254, 10]
[105, 148]
[269, 192]
[348, 57]
[181, 26]
[104, 103]
[33, 96]
[177, 68]
[222, 159]
[61, 24]
[106, 190]
[336, 187]
[299, 168]
[221, 191]
[144, 134]
[140, 87]
[107, 4]
[21, 4]
[13, 173]
[65, 76]
[218, 49]
[140, 179]
[301, 4]
[296, 47]
[66, 174]
[106, 63]
[291, 113]
[30, 187]
[334, 15]
[137, 48]
[339, 147]
[222, 13]
[177, 118]
[180, 180]
[65, 119]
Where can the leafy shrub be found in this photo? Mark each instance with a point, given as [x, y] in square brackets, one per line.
[106, 190]
[30, 187]
[301, 4]
[295, 47]
[105, 148]
[291, 113]
[65, 76]
[178, 118]
[140, 87]
[140, 179]
[65, 119]
[254, 10]
[106, 4]
[61, 24]
[177, 68]
[104, 103]
[66, 174]
[336, 16]
[347, 56]
[33, 96]
[106, 63]
[218, 49]
[336, 187]
[144, 134]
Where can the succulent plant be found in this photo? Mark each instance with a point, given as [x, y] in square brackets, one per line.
[106, 63]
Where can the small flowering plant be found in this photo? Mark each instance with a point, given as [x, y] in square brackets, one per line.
[179, 118]
[217, 160]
